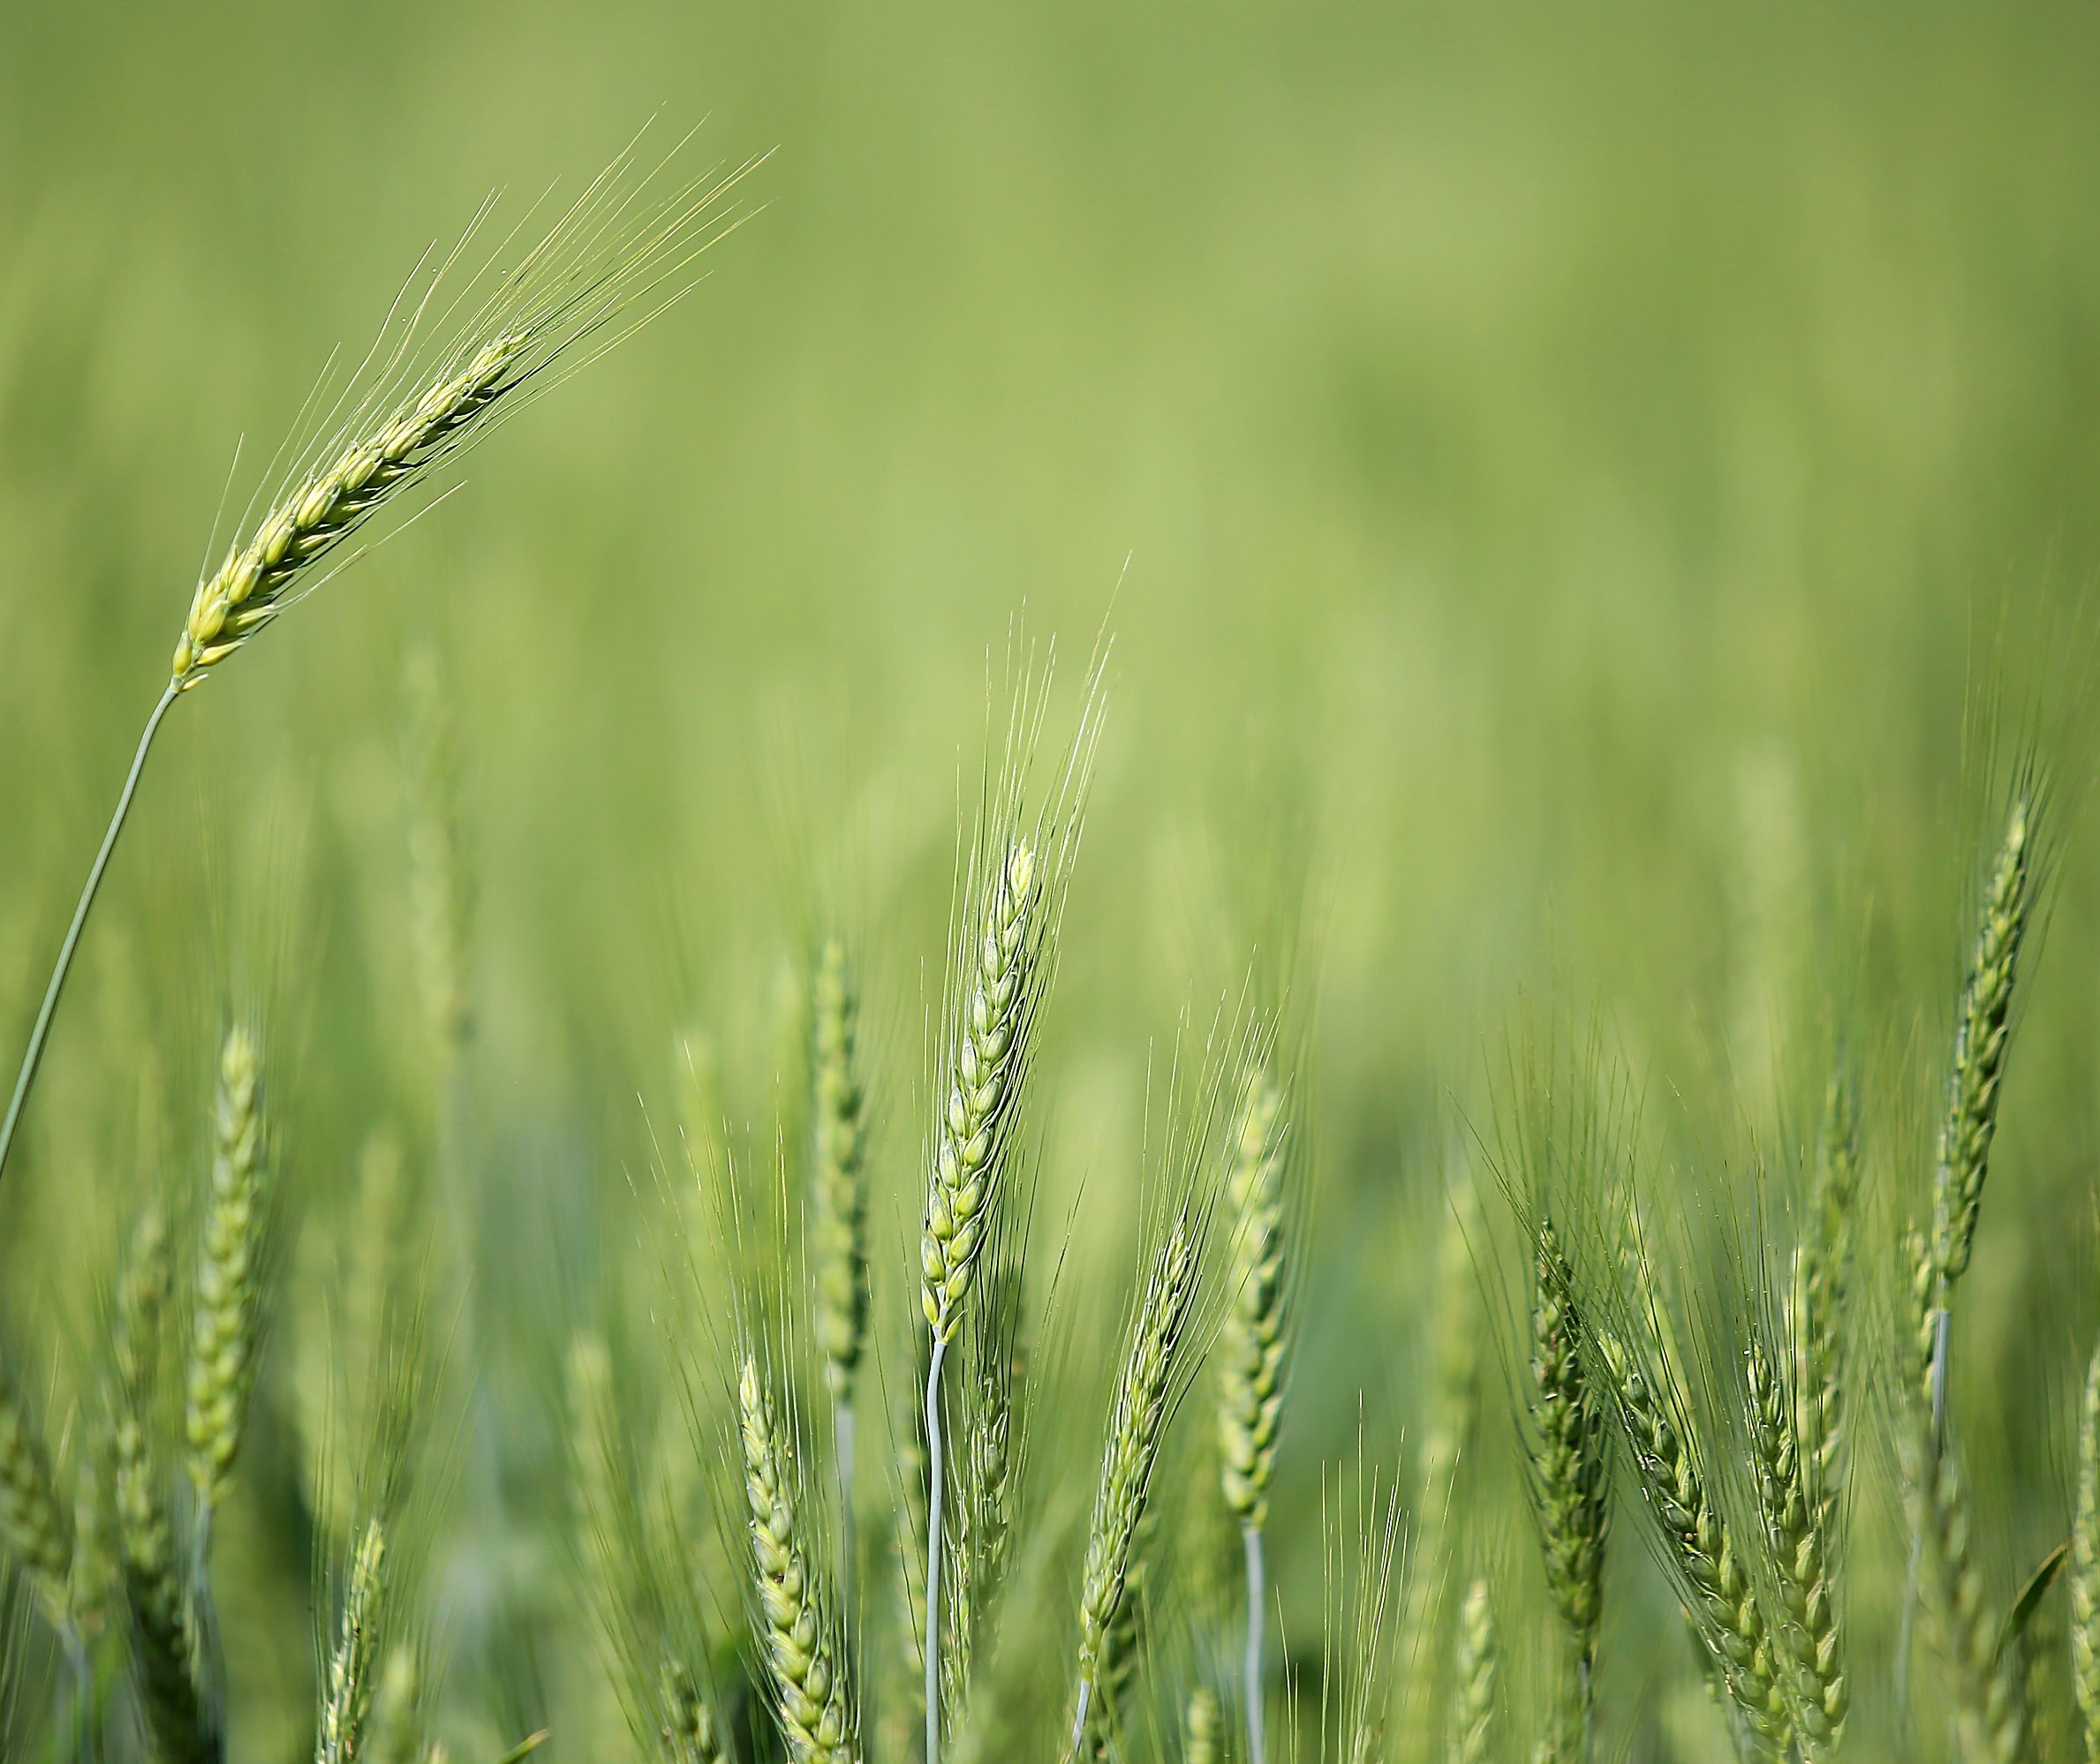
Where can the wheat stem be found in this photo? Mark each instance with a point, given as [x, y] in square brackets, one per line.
[934, 1476]
[1257, 1744]
[33, 1056]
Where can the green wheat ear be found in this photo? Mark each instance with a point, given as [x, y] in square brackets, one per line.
[1143, 1393]
[811, 1697]
[226, 1319]
[2085, 1564]
[1476, 1669]
[839, 1225]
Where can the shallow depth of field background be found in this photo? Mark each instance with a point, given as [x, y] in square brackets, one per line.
[1566, 469]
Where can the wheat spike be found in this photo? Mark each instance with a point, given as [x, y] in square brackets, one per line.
[973, 1133]
[838, 1226]
[1800, 1557]
[1983, 1689]
[1139, 1416]
[1570, 1465]
[810, 1694]
[37, 1530]
[1476, 1669]
[228, 1298]
[1726, 1614]
[1201, 1728]
[351, 1678]
[1253, 1338]
[2085, 1566]
[690, 1733]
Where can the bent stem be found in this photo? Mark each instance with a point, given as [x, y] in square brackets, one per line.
[934, 1481]
[1256, 1740]
[33, 1057]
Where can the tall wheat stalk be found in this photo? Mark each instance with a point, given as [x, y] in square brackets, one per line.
[613, 259]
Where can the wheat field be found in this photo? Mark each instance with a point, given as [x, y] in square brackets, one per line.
[1009, 883]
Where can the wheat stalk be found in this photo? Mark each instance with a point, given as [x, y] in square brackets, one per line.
[1142, 1395]
[809, 1693]
[228, 1294]
[609, 265]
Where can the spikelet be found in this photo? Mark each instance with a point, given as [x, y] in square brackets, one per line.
[973, 1135]
[1980, 1034]
[36, 1529]
[1477, 1669]
[1817, 1298]
[228, 1298]
[839, 1225]
[2085, 1566]
[1202, 1728]
[807, 1672]
[1725, 1612]
[691, 1733]
[1138, 1418]
[609, 252]
[1569, 1464]
[1254, 1336]
[351, 1678]
[1983, 1689]
[1800, 1556]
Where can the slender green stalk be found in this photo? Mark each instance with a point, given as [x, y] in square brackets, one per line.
[40, 1032]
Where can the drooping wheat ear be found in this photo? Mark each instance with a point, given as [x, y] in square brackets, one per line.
[838, 1229]
[1980, 1034]
[691, 1733]
[1800, 1557]
[352, 1678]
[440, 899]
[1982, 1685]
[1202, 1728]
[2085, 1566]
[1817, 1296]
[229, 1297]
[809, 1693]
[1477, 1667]
[613, 260]
[1570, 1469]
[1700, 1550]
[1143, 1396]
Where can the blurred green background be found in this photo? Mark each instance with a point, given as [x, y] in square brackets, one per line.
[1556, 477]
